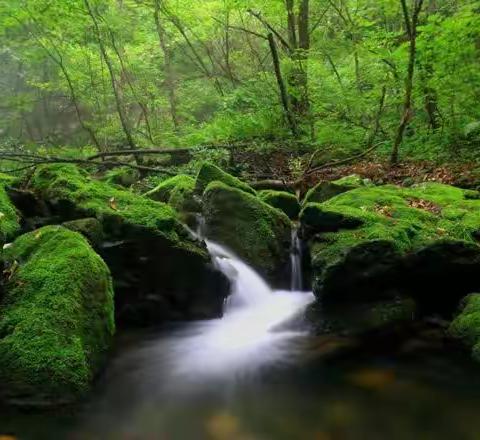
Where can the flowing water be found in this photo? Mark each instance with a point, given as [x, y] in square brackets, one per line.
[244, 377]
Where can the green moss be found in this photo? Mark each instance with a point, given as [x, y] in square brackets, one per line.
[466, 325]
[56, 316]
[282, 200]
[121, 212]
[123, 176]
[90, 228]
[257, 232]
[163, 191]
[326, 190]
[178, 192]
[209, 173]
[406, 218]
[9, 219]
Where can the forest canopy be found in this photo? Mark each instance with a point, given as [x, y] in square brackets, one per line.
[343, 75]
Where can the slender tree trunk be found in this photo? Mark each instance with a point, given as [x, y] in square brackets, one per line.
[167, 65]
[281, 86]
[291, 22]
[411, 26]
[108, 62]
[126, 74]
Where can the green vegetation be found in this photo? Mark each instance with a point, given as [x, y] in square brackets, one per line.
[9, 219]
[210, 173]
[56, 318]
[178, 192]
[466, 325]
[119, 211]
[326, 190]
[190, 73]
[255, 231]
[282, 200]
[388, 221]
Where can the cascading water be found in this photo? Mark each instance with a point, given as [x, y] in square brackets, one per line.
[248, 336]
[296, 283]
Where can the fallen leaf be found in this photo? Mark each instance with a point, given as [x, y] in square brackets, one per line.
[113, 204]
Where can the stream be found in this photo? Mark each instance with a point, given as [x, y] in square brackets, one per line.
[244, 377]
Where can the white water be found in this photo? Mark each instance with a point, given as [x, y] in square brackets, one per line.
[296, 278]
[248, 337]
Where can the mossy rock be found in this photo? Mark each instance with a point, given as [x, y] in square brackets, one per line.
[466, 325]
[370, 237]
[9, 219]
[122, 176]
[90, 228]
[145, 245]
[178, 192]
[286, 202]
[255, 231]
[326, 190]
[210, 173]
[56, 317]
[357, 319]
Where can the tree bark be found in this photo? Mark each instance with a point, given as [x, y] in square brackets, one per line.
[411, 27]
[281, 86]
[108, 62]
[167, 65]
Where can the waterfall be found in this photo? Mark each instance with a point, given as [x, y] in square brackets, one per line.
[296, 278]
[252, 332]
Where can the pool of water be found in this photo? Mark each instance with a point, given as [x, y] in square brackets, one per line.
[433, 396]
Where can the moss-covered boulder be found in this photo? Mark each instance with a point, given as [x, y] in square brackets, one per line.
[56, 317]
[210, 173]
[286, 202]
[145, 245]
[371, 239]
[90, 228]
[178, 192]
[466, 325]
[326, 190]
[360, 318]
[122, 176]
[255, 231]
[9, 219]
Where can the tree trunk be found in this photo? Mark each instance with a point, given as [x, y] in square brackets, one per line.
[411, 26]
[108, 62]
[281, 86]
[167, 65]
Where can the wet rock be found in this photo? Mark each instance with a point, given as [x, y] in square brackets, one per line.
[371, 240]
[258, 233]
[160, 272]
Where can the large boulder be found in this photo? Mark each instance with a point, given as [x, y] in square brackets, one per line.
[145, 245]
[9, 219]
[374, 240]
[56, 317]
[326, 190]
[210, 173]
[255, 231]
[466, 325]
[178, 192]
[286, 202]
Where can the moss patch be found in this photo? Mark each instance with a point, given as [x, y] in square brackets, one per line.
[466, 325]
[123, 176]
[402, 220]
[9, 219]
[282, 200]
[326, 190]
[255, 231]
[209, 173]
[56, 316]
[178, 192]
[122, 213]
